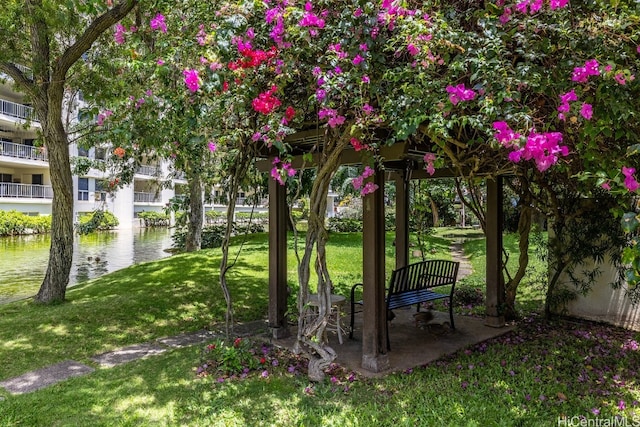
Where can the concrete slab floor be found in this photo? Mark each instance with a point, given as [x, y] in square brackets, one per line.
[411, 345]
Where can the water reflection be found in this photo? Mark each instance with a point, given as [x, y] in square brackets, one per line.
[24, 259]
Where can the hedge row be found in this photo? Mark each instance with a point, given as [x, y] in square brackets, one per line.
[13, 223]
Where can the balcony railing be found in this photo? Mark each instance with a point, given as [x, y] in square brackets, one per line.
[19, 111]
[22, 151]
[147, 170]
[25, 191]
[146, 198]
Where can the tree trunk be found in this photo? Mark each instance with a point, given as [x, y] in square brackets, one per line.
[196, 216]
[311, 329]
[511, 287]
[237, 174]
[47, 92]
[54, 285]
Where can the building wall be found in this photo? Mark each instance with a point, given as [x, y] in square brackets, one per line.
[605, 304]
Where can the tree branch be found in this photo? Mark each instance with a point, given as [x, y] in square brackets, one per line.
[93, 31]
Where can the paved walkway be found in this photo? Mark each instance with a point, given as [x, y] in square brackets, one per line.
[457, 252]
[35, 380]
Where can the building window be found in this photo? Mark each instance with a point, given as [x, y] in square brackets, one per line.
[101, 154]
[83, 152]
[83, 188]
[101, 194]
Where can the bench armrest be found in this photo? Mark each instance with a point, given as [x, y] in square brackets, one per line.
[353, 293]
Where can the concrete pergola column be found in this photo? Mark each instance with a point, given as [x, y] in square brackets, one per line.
[374, 322]
[278, 260]
[495, 281]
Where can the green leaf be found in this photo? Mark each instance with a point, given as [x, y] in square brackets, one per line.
[629, 222]
[633, 149]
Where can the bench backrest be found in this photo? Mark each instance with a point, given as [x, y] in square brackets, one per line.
[423, 275]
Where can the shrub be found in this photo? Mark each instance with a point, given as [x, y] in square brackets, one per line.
[344, 225]
[154, 219]
[215, 216]
[211, 237]
[13, 223]
[257, 216]
[97, 220]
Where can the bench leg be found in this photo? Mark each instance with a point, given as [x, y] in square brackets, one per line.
[353, 315]
[453, 327]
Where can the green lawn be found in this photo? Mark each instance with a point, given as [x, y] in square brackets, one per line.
[529, 377]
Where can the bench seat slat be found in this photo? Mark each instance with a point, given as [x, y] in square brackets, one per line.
[413, 297]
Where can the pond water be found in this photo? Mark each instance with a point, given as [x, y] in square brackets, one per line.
[23, 262]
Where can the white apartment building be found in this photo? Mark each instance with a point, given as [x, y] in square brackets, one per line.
[25, 182]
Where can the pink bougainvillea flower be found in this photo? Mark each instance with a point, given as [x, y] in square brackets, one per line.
[119, 31]
[606, 186]
[160, 62]
[580, 75]
[366, 79]
[212, 146]
[460, 93]
[356, 144]
[289, 113]
[506, 16]
[368, 171]
[336, 121]
[275, 174]
[191, 79]
[535, 6]
[357, 60]
[311, 20]
[515, 156]
[586, 111]
[413, 49]
[590, 68]
[368, 109]
[103, 116]
[357, 13]
[368, 188]
[158, 23]
[265, 103]
[620, 79]
[629, 180]
[568, 97]
[505, 135]
[522, 6]
[321, 94]
[558, 4]
[326, 112]
[357, 182]
[429, 158]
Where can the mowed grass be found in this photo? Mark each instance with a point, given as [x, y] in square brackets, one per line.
[530, 377]
[161, 298]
